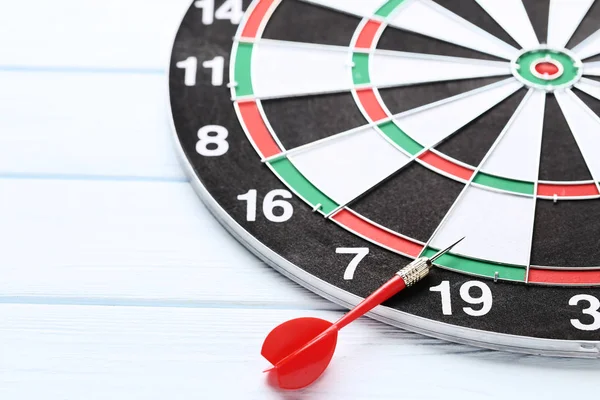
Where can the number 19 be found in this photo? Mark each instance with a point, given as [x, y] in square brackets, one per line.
[485, 299]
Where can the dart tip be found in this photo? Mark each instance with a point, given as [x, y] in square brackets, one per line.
[447, 249]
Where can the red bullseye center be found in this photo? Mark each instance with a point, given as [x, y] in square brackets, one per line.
[547, 68]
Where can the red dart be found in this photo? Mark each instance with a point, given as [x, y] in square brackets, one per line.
[301, 349]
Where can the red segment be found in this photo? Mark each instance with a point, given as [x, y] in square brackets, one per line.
[367, 35]
[257, 129]
[445, 165]
[254, 20]
[371, 105]
[588, 189]
[376, 234]
[547, 68]
[564, 277]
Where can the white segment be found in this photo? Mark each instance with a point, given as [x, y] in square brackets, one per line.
[431, 19]
[565, 17]
[585, 127]
[432, 123]
[512, 17]
[517, 154]
[589, 47]
[360, 8]
[281, 69]
[397, 68]
[589, 86]
[348, 166]
[497, 226]
[592, 68]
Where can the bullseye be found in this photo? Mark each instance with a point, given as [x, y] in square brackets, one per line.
[547, 69]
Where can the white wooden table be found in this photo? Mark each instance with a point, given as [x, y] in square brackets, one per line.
[116, 282]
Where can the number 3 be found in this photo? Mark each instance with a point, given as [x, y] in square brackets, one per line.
[593, 310]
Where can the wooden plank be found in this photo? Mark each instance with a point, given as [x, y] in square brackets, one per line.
[96, 352]
[133, 34]
[98, 125]
[85, 92]
[127, 243]
[148, 296]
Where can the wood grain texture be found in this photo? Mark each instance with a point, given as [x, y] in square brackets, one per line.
[117, 283]
[99, 34]
[97, 352]
[127, 243]
[86, 124]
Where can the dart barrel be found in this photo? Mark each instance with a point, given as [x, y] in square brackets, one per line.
[415, 271]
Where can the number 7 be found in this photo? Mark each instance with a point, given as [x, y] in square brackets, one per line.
[361, 252]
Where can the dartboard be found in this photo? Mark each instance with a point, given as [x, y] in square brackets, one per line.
[341, 139]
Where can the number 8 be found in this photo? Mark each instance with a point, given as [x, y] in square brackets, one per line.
[214, 135]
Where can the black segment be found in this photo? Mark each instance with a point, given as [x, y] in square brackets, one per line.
[561, 159]
[303, 120]
[588, 26]
[412, 203]
[400, 40]
[567, 234]
[476, 15]
[406, 98]
[538, 12]
[589, 101]
[299, 21]
[471, 143]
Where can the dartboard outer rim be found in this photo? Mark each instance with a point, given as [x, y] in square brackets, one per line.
[403, 320]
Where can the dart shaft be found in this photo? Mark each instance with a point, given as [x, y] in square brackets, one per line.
[406, 277]
[390, 288]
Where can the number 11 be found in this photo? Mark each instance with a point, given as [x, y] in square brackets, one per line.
[190, 65]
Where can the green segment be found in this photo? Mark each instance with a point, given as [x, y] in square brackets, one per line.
[478, 267]
[302, 186]
[397, 135]
[571, 71]
[243, 70]
[360, 72]
[510, 185]
[386, 9]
